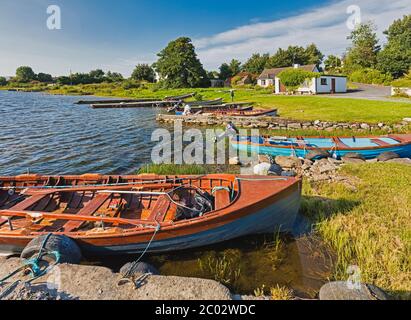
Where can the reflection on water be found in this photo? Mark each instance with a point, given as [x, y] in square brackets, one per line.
[250, 263]
[51, 135]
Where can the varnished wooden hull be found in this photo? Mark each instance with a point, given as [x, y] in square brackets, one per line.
[263, 205]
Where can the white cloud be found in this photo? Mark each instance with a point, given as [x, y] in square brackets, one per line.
[325, 26]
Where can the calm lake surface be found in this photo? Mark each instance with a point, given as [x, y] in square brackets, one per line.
[51, 135]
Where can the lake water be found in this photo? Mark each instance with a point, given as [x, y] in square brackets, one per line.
[51, 135]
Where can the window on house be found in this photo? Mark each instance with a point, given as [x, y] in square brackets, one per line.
[324, 82]
[263, 82]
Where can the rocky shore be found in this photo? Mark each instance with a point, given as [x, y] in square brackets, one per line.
[81, 282]
[276, 123]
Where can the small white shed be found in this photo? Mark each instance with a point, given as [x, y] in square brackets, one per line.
[322, 85]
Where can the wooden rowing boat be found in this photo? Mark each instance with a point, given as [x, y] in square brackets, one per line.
[368, 147]
[215, 109]
[121, 214]
[125, 105]
[112, 101]
[245, 113]
[218, 101]
[182, 97]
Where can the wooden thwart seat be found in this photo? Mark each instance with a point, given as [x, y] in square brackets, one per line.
[380, 143]
[222, 198]
[29, 202]
[88, 210]
[160, 209]
[340, 144]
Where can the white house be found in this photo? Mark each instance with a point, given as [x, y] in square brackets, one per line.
[323, 84]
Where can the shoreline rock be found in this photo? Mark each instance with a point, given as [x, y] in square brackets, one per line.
[80, 282]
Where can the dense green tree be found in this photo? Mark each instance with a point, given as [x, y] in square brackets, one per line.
[3, 81]
[114, 76]
[179, 67]
[225, 72]
[313, 55]
[44, 77]
[296, 55]
[213, 75]
[333, 64]
[25, 74]
[97, 74]
[395, 58]
[143, 72]
[256, 64]
[364, 50]
[235, 67]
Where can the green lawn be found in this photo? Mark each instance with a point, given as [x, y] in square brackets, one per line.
[368, 226]
[296, 107]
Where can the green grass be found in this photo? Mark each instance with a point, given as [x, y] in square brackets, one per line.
[185, 169]
[294, 107]
[368, 225]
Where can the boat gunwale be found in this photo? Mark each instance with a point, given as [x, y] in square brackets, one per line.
[301, 147]
[216, 215]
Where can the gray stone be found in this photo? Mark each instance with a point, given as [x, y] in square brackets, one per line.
[405, 161]
[294, 126]
[353, 160]
[80, 282]
[336, 291]
[139, 268]
[354, 155]
[383, 157]
[365, 126]
[288, 162]
[234, 161]
[317, 154]
[264, 158]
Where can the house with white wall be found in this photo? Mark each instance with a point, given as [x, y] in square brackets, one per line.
[322, 85]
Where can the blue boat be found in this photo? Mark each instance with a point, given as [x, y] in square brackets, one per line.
[338, 147]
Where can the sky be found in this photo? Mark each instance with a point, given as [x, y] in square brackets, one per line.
[117, 35]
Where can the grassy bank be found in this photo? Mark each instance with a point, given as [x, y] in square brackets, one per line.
[295, 107]
[368, 226]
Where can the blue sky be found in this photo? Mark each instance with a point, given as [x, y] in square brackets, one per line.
[116, 35]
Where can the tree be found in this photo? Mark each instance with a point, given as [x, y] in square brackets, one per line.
[235, 67]
[364, 50]
[143, 72]
[292, 79]
[225, 72]
[333, 64]
[395, 58]
[96, 76]
[114, 76]
[179, 66]
[3, 81]
[25, 74]
[44, 77]
[256, 64]
[313, 55]
[296, 55]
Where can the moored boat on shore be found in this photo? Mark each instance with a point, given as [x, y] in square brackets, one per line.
[129, 214]
[368, 147]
